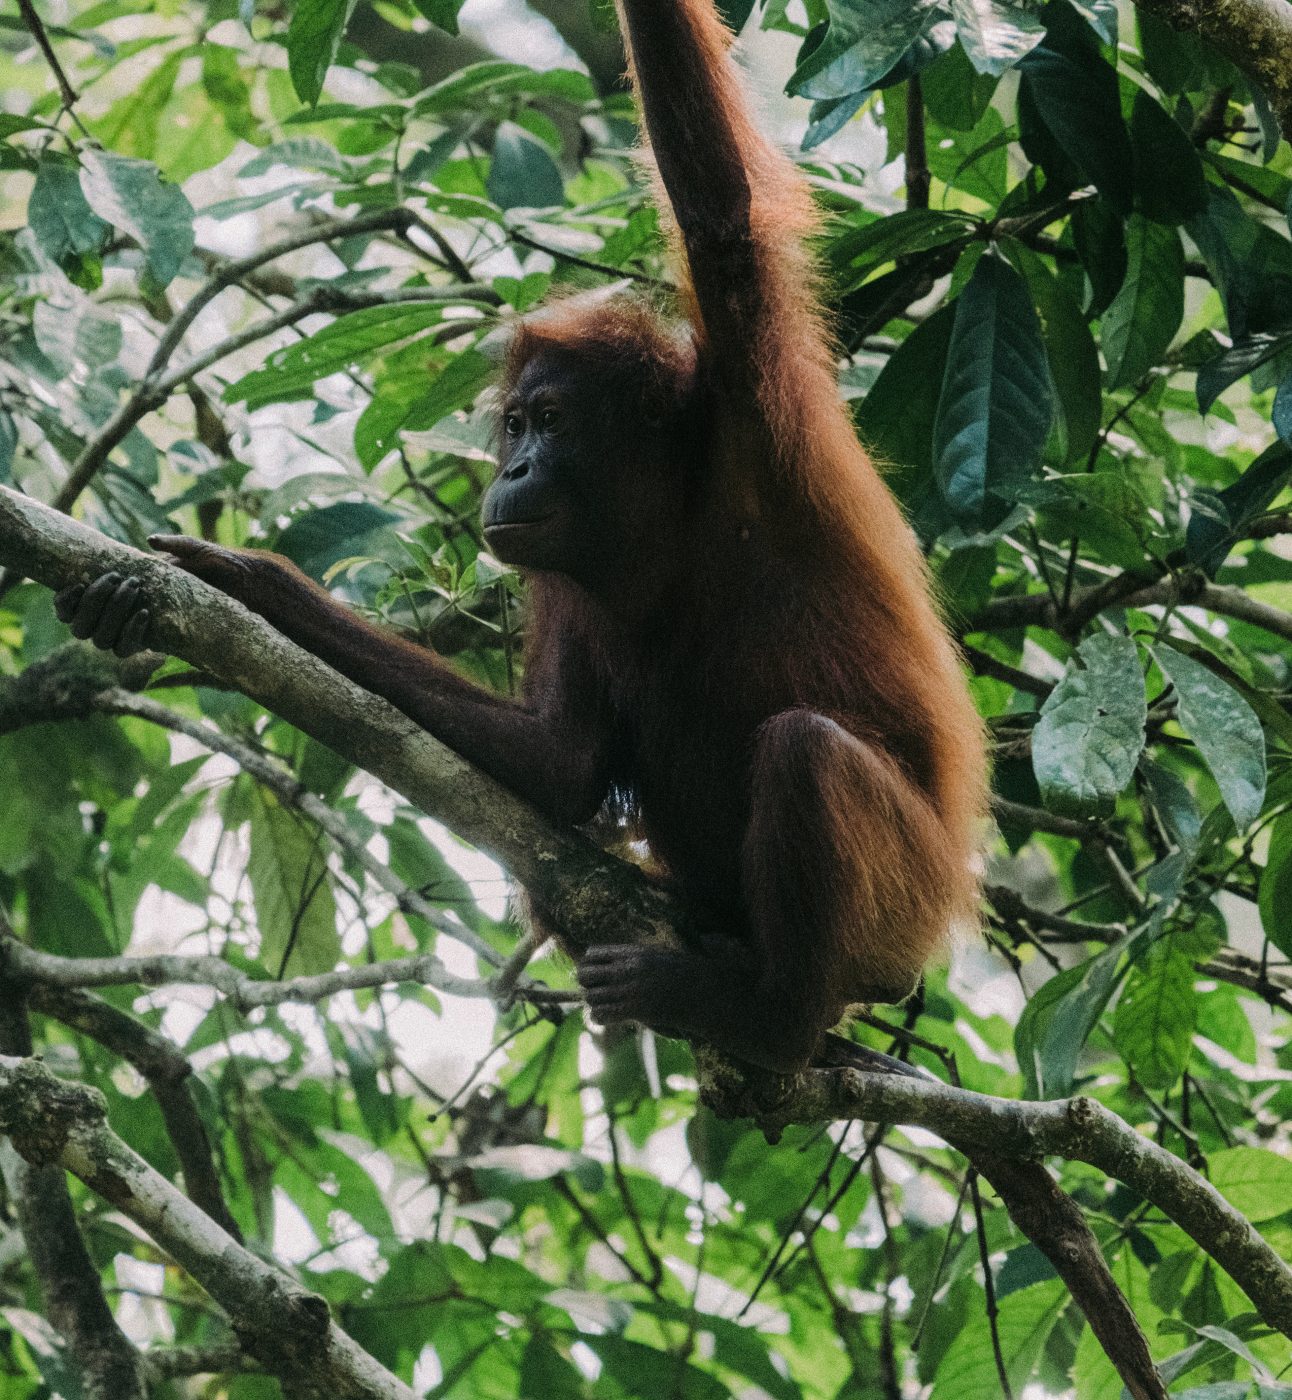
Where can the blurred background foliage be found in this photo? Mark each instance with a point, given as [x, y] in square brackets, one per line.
[1057, 259]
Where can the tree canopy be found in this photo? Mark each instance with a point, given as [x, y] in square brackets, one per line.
[310, 1114]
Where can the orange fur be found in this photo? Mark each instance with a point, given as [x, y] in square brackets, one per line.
[853, 634]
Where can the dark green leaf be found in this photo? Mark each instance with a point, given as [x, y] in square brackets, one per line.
[866, 39]
[1145, 315]
[1281, 414]
[1250, 264]
[1217, 520]
[1169, 183]
[1242, 357]
[60, 218]
[954, 95]
[896, 417]
[1058, 1019]
[442, 13]
[1276, 886]
[522, 173]
[995, 34]
[1072, 355]
[1099, 235]
[1076, 96]
[997, 404]
[859, 251]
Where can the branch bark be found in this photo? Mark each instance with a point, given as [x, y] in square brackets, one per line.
[288, 1330]
[596, 898]
[110, 1368]
[1079, 1129]
[591, 895]
[1255, 35]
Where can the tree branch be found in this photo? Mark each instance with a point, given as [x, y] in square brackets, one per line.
[287, 1329]
[582, 890]
[165, 1068]
[1256, 35]
[1079, 1129]
[578, 887]
[110, 1368]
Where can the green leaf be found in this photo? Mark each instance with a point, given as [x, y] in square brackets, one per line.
[1225, 729]
[1103, 509]
[522, 173]
[996, 404]
[131, 195]
[968, 1370]
[1174, 803]
[8, 443]
[995, 34]
[500, 79]
[1250, 264]
[321, 538]
[1071, 352]
[1075, 94]
[1169, 184]
[1091, 731]
[441, 13]
[1099, 236]
[380, 423]
[130, 126]
[1242, 357]
[1154, 1022]
[1146, 313]
[1216, 520]
[295, 910]
[59, 216]
[857, 252]
[865, 40]
[223, 83]
[350, 341]
[1275, 897]
[1281, 414]
[313, 38]
[1256, 1182]
[896, 417]
[1058, 1019]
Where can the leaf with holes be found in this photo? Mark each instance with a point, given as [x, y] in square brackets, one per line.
[1091, 731]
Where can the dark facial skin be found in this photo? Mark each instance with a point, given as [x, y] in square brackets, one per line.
[578, 485]
[532, 510]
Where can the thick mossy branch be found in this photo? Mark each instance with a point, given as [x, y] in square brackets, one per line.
[1256, 35]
